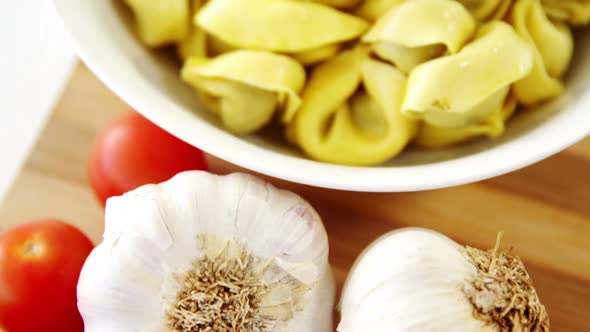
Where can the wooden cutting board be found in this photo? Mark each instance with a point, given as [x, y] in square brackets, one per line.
[543, 209]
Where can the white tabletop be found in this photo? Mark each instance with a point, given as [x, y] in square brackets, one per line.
[35, 62]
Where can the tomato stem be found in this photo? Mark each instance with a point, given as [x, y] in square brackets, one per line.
[31, 249]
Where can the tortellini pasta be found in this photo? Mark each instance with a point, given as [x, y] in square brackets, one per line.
[493, 126]
[486, 10]
[357, 121]
[463, 89]
[419, 30]
[576, 12]
[245, 88]
[384, 74]
[161, 22]
[371, 10]
[284, 26]
[316, 55]
[338, 3]
[195, 43]
[216, 46]
[553, 44]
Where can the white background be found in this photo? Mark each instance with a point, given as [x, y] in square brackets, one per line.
[35, 62]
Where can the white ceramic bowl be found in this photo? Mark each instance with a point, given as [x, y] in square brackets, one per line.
[150, 83]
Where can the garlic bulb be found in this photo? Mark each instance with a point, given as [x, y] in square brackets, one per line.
[419, 280]
[208, 253]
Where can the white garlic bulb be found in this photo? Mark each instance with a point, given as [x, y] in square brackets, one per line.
[419, 280]
[208, 253]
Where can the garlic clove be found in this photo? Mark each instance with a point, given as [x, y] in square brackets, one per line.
[127, 299]
[189, 241]
[465, 88]
[278, 25]
[404, 250]
[317, 307]
[383, 311]
[246, 87]
[161, 22]
[430, 283]
[419, 30]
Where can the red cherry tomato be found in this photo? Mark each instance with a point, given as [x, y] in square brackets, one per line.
[132, 151]
[40, 263]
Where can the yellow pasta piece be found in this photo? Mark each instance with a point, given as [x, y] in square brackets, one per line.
[245, 88]
[371, 10]
[553, 40]
[278, 25]
[553, 45]
[216, 46]
[576, 12]
[493, 126]
[485, 10]
[316, 55]
[502, 9]
[306, 58]
[419, 30]
[195, 44]
[406, 58]
[330, 125]
[343, 4]
[161, 22]
[465, 88]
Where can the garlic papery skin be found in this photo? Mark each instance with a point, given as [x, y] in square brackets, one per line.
[418, 280]
[202, 252]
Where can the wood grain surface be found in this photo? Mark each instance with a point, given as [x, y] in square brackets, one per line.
[544, 209]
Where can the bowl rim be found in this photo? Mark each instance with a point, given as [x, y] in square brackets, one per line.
[524, 150]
